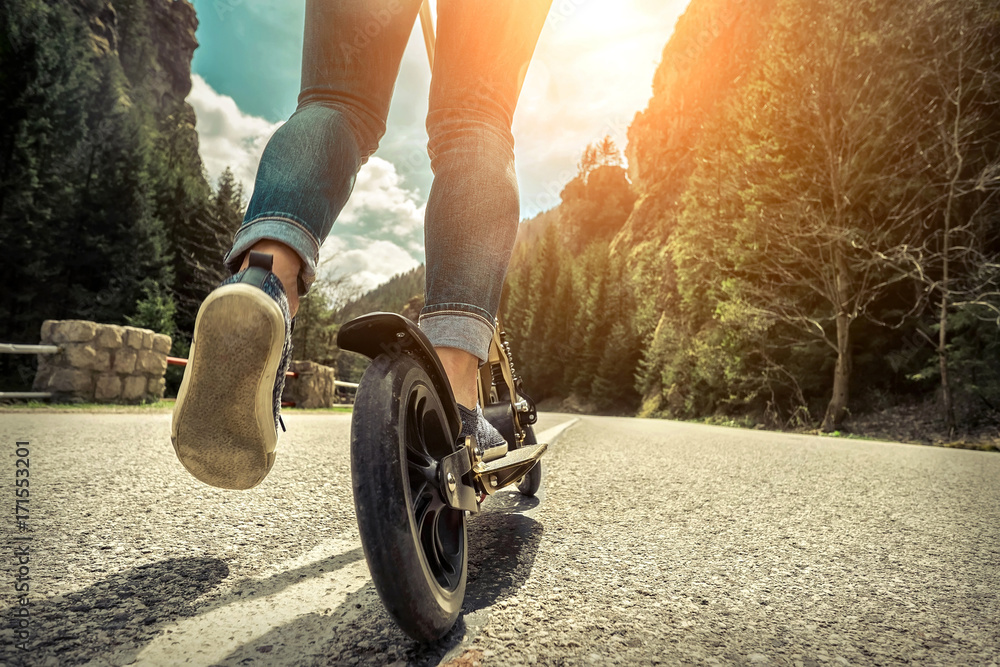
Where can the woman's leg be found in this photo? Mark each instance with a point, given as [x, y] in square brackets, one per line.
[351, 55]
[227, 415]
[483, 51]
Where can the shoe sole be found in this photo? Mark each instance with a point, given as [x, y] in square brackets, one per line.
[223, 423]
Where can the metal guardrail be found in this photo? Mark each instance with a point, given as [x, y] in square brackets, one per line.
[180, 361]
[16, 348]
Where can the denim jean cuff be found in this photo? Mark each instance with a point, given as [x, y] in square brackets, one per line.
[284, 229]
[458, 325]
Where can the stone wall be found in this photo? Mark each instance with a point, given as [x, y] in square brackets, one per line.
[102, 363]
[313, 387]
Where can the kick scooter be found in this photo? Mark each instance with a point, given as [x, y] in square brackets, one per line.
[414, 481]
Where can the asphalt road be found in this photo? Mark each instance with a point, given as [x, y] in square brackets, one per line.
[651, 543]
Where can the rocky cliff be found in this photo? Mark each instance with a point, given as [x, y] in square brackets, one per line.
[122, 27]
[713, 44]
[155, 41]
[102, 20]
[173, 24]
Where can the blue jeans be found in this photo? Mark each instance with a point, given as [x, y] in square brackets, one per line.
[351, 58]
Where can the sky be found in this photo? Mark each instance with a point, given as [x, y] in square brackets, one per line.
[592, 71]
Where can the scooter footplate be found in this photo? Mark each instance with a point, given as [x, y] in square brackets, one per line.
[510, 468]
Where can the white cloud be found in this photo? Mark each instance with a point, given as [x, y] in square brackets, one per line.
[379, 190]
[228, 137]
[379, 233]
[567, 102]
[367, 262]
[593, 70]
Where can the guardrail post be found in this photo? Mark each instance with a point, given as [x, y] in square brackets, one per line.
[102, 363]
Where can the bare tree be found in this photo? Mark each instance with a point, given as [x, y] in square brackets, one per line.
[961, 150]
[825, 166]
[341, 288]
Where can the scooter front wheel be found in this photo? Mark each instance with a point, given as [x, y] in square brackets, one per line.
[414, 543]
[528, 485]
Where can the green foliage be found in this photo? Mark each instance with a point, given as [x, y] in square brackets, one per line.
[571, 317]
[337, 302]
[813, 190]
[155, 310]
[78, 187]
[819, 185]
[315, 335]
[974, 342]
[86, 190]
[806, 184]
[203, 230]
[181, 349]
[103, 200]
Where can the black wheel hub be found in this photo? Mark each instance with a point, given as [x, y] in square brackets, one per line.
[439, 527]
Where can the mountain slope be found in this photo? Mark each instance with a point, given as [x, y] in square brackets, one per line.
[714, 44]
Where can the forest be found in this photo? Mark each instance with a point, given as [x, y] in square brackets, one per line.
[811, 231]
[106, 213]
[803, 227]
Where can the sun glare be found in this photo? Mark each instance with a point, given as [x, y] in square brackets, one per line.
[596, 19]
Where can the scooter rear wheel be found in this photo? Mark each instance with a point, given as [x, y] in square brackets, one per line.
[414, 543]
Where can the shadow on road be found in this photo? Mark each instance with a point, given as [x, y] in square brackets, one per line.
[511, 502]
[123, 613]
[126, 608]
[126, 611]
[257, 588]
[502, 549]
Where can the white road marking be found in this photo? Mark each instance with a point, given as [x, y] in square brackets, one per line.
[549, 435]
[249, 613]
[229, 627]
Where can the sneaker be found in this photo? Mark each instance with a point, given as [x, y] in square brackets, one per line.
[227, 415]
[474, 422]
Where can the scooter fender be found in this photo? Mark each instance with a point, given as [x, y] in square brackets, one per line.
[375, 334]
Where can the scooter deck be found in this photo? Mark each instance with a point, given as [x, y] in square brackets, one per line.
[526, 454]
[508, 469]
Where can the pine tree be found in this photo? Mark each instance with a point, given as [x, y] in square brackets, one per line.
[315, 335]
[74, 201]
[613, 384]
[84, 184]
[46, 69]
[824, 175]
[542, 367]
